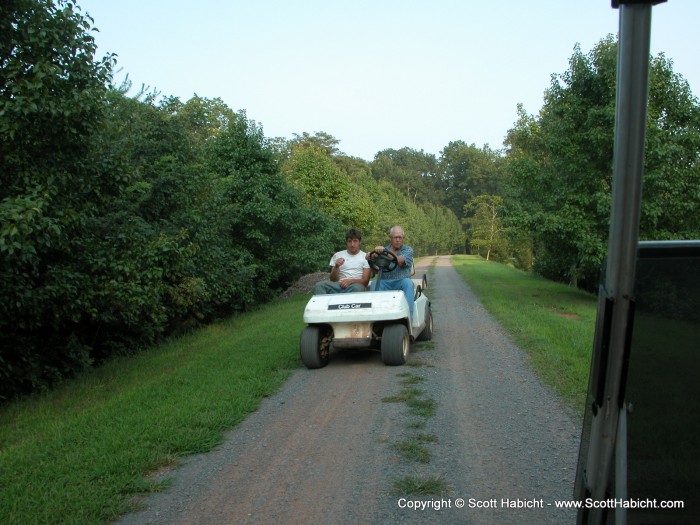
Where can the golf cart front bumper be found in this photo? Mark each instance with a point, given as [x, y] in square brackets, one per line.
[353, 315]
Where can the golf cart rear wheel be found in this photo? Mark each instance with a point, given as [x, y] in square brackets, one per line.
[395, 344]
[314, 350]
[427, 333]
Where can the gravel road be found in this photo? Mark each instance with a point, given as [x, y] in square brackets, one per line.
[320, 450]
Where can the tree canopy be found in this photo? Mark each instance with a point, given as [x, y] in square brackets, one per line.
[560, 164]
[127, 219]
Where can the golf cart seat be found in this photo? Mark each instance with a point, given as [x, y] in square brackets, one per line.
[419, 285]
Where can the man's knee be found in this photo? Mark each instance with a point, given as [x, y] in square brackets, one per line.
[323, 287]
[356, 287]
[407, 286]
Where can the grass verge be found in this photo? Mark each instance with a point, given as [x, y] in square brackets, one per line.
[553, 323]
[79, 453]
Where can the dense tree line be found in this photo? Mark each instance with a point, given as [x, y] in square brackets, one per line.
[460, 173]
[560, 165]
[543, 203]
[122, 220]
[348, 189]
[126, 219]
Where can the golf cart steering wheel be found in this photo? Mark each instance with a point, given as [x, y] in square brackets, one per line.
[385, 261]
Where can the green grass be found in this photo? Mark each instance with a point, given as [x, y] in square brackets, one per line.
[412, 450]
[409, 379]
[406, 395]
[417, 363]
[424, 408]
[79, 453]
[426, 438]
[423, 346]
[552, 322]
[421, 486]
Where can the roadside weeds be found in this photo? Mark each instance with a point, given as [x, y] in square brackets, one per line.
[414, 447]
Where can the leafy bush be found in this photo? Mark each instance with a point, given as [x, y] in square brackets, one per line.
[123, 221]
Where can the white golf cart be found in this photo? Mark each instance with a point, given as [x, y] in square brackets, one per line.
[370, 320]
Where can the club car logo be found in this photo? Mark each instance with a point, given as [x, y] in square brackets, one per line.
[349, 306]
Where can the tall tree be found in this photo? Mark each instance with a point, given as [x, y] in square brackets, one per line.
[322, 140]
[445, 235]
[324, 185]
[413, 172]
[467, 171]
[51, 95]
[52, 91]
[561, 164]
[204, 119]
[671, 189]
[484, 218]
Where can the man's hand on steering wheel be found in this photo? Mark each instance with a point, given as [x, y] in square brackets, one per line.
[385, 260]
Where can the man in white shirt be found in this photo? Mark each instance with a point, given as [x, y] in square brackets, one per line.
[349, 268]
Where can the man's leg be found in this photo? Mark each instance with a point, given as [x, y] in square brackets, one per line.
[324, 287]
[355, 287]
[383, 286]
[404, 285]
[407, 287]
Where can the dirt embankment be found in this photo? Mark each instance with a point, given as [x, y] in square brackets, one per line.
[305, 285]
[328, 448]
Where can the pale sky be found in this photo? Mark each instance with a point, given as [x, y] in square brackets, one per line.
[375, 74]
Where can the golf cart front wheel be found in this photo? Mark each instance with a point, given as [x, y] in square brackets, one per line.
[395, 344]
[314, 350]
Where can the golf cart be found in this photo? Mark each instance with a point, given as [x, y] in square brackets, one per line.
[367, 320]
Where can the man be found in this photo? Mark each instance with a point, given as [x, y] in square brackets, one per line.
[349, 268]
[400, 277]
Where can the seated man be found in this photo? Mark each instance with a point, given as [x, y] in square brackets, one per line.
[349, 268]
[400, 277]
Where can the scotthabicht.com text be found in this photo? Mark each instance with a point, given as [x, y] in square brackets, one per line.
[517, 503]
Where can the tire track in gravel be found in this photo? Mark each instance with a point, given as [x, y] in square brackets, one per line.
[319, 451]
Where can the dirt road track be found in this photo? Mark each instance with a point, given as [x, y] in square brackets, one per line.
[320, 451]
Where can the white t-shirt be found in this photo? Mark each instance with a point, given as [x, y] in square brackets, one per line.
[352, 267]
